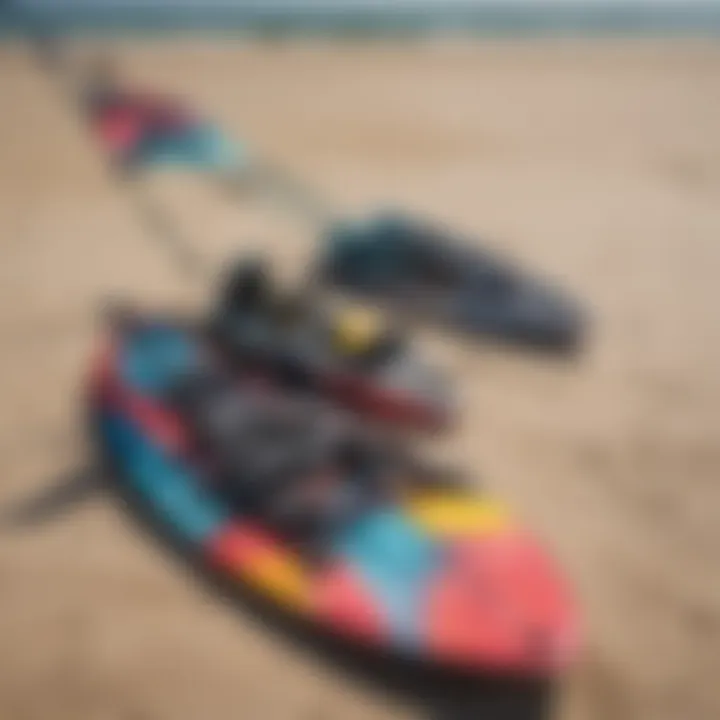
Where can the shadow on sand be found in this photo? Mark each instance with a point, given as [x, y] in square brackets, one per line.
[431, 693]
[53, 501]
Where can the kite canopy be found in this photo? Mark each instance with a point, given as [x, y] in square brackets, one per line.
[432, 573]
[145, 131]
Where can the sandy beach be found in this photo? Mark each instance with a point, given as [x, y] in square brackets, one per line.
[595, 163]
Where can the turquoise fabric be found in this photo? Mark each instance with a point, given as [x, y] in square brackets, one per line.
[202, 147]
[397, 562]
[171, 489]
[155, 357]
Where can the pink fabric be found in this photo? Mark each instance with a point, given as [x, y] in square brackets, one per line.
[501, 604]
[344, 603]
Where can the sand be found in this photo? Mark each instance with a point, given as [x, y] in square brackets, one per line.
[596, 163]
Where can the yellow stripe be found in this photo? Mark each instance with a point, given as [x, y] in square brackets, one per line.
[456, 514]
[281, 578]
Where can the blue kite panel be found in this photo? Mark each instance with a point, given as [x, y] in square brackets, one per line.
[397, 562]
[171, 489]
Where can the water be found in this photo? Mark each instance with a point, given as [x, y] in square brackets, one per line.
[522, 18]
